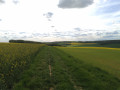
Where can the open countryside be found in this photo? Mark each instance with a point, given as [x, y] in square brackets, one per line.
[37, 66]
[59, 44]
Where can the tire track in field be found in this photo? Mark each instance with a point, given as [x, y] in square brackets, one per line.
[73, 82]
[54, 57]
[70, 77]
[50, 66]
[50, 70]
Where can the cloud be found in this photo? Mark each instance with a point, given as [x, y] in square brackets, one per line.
[74, 3]
[52, 26]
[99, 33]
[110, 37]
[57, 35]
[115, 32]
[48, 15]
[112, 33]
[15, 1]
[83, 34]
[2, 1]
[22, 32]
[77, 29]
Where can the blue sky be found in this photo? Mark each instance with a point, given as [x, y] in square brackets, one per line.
[59, 20]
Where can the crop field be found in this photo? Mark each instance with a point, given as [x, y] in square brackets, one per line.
[105, 58]
[13, 60]
[110, 45]
[42, 67]
[83, 45]
[55, 70]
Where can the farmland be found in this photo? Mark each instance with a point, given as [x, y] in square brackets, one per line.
[42, 67]
[106, 58]
[14, 58]
[67, 73]
[82, 44]
[111, 44]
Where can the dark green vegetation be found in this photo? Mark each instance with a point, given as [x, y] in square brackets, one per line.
[104, 43]
[109, 43]
[53, 69]
[22, 41]
[58, 43]
[112, 45]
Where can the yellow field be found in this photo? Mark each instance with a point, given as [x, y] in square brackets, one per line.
[96, 48]
[81, 43]
[13, 59]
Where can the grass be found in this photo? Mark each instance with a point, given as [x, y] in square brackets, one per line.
[40, 67]
[37, 77]
[68, 73]
[107, 59]
[88, 76]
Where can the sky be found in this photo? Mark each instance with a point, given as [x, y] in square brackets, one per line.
[59, 20]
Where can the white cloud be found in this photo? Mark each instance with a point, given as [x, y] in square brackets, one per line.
[2, 1]
[25, 20]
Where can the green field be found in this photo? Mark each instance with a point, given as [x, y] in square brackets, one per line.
[112, 45]
[42, 67]
[105, 58]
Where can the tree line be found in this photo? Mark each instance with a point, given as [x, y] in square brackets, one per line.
[22, 41]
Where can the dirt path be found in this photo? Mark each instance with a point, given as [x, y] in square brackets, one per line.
[49, 62]
[50, 70]
[51, 88]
